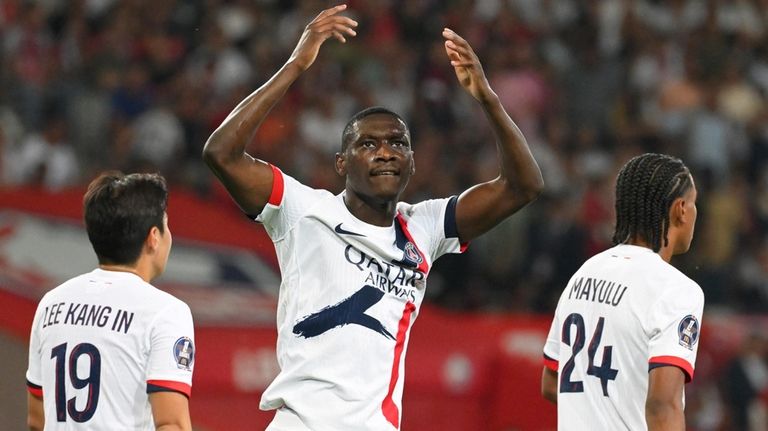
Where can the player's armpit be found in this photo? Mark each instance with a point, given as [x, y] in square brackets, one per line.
[35, 414]
[664, 403]
[549, 385]
[170, 411]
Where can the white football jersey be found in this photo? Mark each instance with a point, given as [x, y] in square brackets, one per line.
[349, 295]
[624, 312]
[100, 343]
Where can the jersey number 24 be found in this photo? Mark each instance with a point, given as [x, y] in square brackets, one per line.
[604, 372]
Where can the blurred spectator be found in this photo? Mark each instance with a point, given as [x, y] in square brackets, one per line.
[157, 139]
[89, 85]
[46, 159]
[745, 381]
[140, 85]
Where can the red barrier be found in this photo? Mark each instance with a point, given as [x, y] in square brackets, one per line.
[463, 371]
[189, 216]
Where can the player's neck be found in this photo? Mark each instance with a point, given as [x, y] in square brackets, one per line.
[665, 252]
[141, 270]
[371, 211]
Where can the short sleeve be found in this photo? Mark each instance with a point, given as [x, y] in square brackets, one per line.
[172, 350]
[34, 377]
[288, 202]
[552, 345]
[438, 217]
[675, 325]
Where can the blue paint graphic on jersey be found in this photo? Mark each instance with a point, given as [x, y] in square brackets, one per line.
[688, 331]
[184, 353]
[350, 311]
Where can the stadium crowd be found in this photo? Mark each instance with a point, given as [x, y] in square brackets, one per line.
[139, 85]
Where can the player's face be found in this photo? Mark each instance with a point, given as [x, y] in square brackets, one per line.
[689, 221]
[379, 161]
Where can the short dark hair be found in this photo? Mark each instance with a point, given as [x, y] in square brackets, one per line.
[120, 210]
[645, 189]
[346, 136]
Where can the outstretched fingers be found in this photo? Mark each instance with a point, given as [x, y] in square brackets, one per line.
[336, 26]
[330, 11]
[458, 48]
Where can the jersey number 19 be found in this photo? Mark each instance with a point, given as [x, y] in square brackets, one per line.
[65, 366]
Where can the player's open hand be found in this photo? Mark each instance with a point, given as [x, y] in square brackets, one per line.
[467, 66]
[326, 24]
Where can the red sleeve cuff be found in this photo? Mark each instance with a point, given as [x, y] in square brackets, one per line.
[34, 389]
[277, 187]
[168, 385]
[550, 363]
[661, 361]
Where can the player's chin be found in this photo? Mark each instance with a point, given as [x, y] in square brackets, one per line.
[391, 184]
[683, 248]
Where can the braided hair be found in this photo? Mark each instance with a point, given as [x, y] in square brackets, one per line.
[645, 189]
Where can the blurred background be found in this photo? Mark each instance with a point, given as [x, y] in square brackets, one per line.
[89, 85]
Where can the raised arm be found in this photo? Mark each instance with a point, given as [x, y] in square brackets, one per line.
[519, 182]
[248, 179]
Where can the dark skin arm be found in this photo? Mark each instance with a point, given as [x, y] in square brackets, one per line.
[519, 182]
[248, 179]
[549, 385]
[664, 403]
[35, 414]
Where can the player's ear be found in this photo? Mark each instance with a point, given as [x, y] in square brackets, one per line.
[677, 212]
[153, 239]
[413, 164]
[341, 164]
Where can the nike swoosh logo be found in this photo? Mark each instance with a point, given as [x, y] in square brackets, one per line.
[343, 231]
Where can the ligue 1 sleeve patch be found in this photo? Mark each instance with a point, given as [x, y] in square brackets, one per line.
[688, 331]
[184, 353]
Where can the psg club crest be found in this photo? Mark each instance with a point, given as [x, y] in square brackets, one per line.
[412, 254]
[184, 353]
[688, 331]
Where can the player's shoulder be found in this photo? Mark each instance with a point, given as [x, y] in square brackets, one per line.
[129, 287]
[433, 207]
[295, 186]
[161, 299]
[645, 267]
[679, 280]
[65, 289]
